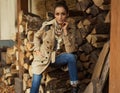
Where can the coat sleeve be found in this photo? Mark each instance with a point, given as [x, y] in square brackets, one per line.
[69, 40]
[38, 38]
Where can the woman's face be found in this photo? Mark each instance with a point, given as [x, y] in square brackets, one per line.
[60, 15]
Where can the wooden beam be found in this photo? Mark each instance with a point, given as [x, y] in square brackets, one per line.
[114, 80]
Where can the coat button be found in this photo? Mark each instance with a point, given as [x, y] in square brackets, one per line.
[47, 41]
[48, 52]
[41, 61]
[46, 57]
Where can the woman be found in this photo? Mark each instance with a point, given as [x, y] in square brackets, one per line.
[55, 46]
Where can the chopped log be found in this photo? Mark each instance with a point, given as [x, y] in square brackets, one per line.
[3, 58]
[82, 5]
[103, 28]
[84, 57]
[30, 36]
[24, 85]
[98, 2]
[94, 55]
[10, 81]
[86, 65]
[26, 76]
[26, 66]
[93, 10]
[6, 70]
[97, 38]
[81, 75]
[105, 7]
[98, 44]
[7, 75]
[107, 19]
[34, 22]
[29, 46]
[29, 82]
[27, 90]
[86, 22]
[87, 48]
[30, 71]
[21, 60]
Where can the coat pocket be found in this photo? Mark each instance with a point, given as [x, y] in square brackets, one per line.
[42, 60]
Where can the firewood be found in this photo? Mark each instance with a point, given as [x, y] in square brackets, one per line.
[10, 81]
[86, 22]
[27, 90]
[103, 28]
[87, 48]
[34, 22]
[96, 38]
[21, 60]
[105, 7]
[93, 10]
[84, 57]
[81, 75]
[30, 71]
[30, 36]
[26, 66]
[26, 76]
[82, 5]
[7, 75]
[94, 56]
[86, 65]
[29, 82]
[3, 58]
[98, 44]
[107, 19]
[24, 85]
[6, 70]
[98, 2]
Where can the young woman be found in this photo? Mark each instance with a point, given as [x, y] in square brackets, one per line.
[55, 46]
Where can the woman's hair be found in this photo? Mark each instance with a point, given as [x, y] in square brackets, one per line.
[61, 3]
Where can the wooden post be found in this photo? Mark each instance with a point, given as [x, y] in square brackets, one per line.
[19, 81]
[114, 80]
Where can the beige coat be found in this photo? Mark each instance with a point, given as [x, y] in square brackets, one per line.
[40, 63]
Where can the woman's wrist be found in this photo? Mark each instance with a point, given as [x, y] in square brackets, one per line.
[65, 32]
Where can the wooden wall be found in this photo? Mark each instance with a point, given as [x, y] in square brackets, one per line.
[114, 85]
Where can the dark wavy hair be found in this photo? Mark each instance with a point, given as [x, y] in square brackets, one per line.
[61, 3]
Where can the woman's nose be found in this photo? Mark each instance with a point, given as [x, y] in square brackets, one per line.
[60, 16]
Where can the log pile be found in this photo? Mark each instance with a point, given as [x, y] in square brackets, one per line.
[93, 24]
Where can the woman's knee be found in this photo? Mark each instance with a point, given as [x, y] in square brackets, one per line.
[71, 57]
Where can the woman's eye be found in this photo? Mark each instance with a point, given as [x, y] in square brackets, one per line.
[57, 13]
[63, 14]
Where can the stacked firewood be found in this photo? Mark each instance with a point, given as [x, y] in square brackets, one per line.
[92, 19]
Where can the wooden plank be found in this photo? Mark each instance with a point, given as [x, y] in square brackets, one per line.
[103, 77]
[100, 62]
[114, 86]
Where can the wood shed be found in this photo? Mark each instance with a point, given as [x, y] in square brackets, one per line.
[97, 23]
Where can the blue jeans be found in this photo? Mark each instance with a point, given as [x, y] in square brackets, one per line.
[62, 59]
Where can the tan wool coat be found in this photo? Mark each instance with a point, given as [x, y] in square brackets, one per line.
[44, 41]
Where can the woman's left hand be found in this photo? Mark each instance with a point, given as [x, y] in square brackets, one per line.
[64, 27]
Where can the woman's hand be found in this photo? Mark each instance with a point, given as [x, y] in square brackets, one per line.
[64, 27]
